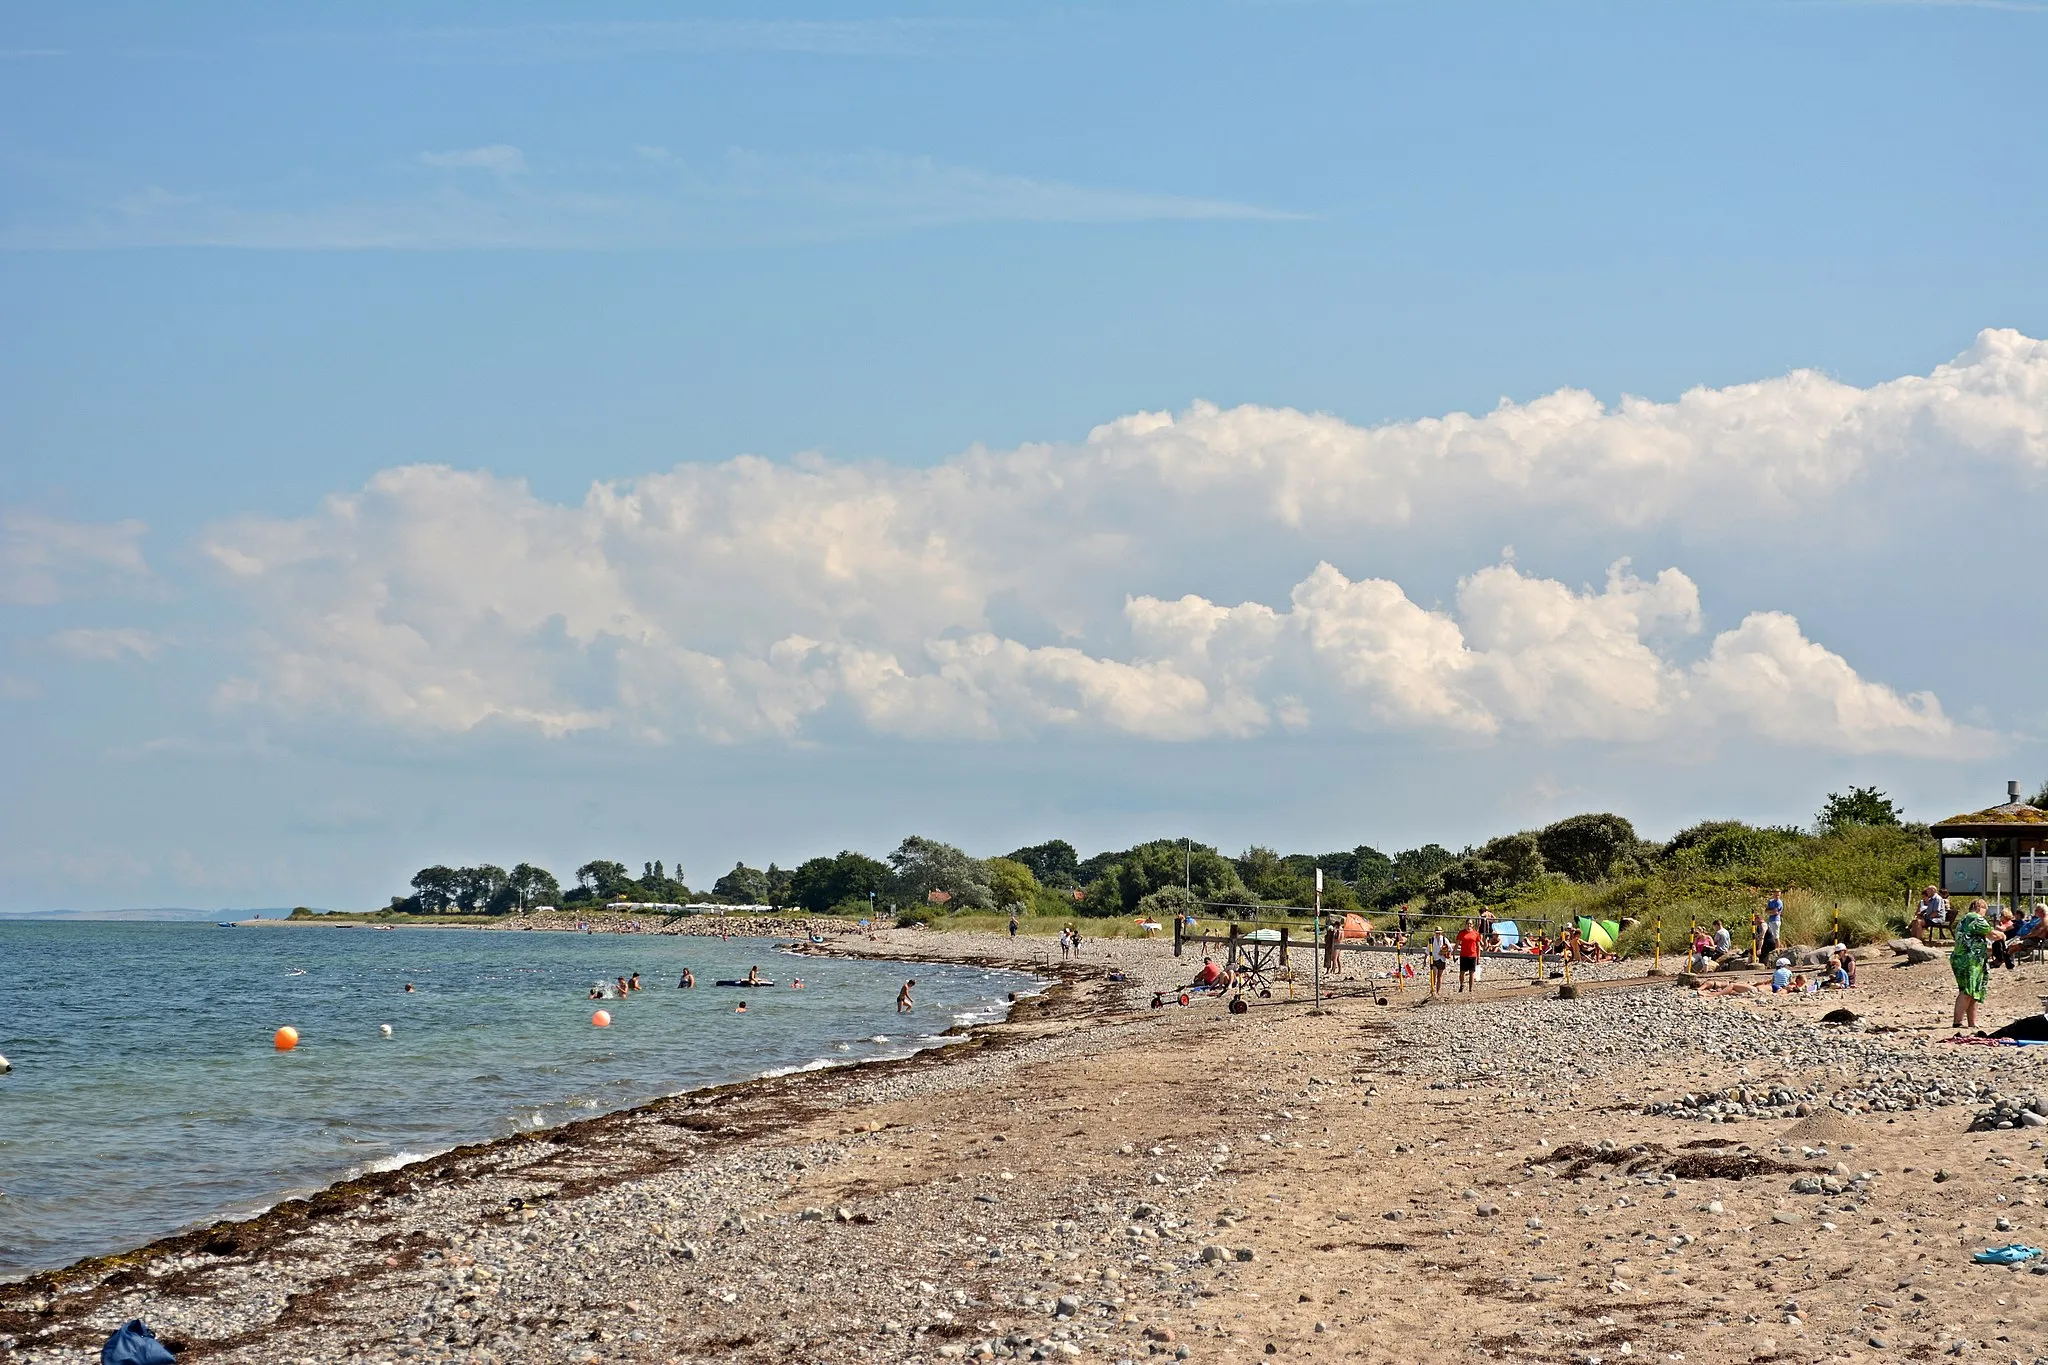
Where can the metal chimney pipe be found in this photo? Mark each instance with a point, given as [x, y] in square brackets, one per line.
[2012, 792]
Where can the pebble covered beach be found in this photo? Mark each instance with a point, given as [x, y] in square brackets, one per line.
[1507, 1175]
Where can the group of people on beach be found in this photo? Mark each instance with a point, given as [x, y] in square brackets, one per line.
[1981, 943]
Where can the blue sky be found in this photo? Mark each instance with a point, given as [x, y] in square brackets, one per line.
[324, 323]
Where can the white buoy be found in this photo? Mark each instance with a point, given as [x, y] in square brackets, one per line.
[384, 1029]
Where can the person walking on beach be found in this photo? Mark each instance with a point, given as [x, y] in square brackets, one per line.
[1013, 926]
[1065, 945]
[904, 1004]
[1075, 939]
[1439, 958]
[1468, 958]
[1970, 960]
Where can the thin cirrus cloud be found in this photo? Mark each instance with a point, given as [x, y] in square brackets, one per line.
[498, 196]
[764, 600]
[108, 644]
[44, 559]
[598, 40]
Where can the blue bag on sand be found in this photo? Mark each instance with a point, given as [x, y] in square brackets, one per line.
[2012, 1254]
[134, 1344]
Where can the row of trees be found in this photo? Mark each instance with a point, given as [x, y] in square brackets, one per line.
[1162, 877]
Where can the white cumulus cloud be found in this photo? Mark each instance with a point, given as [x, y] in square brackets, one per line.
[1003, 594]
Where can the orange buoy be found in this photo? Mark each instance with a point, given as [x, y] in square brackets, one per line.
[602, 1019]
[285, 1039]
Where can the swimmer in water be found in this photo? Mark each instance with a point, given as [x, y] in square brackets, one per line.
[796, 984]
[636, 981]
[904, 1004]
[753, 976]
[408, 988]
[740, 1008]
[622, 988]
[689, 980]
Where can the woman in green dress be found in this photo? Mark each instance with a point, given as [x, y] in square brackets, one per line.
[1970, 960]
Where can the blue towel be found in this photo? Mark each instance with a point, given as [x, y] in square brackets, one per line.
[2007, 1255]
[134, 1344]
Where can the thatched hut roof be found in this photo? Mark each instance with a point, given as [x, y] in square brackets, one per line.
[1999, 822]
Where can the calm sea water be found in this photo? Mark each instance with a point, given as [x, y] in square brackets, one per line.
[146, 1096]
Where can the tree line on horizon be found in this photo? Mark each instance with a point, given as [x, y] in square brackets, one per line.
[925, 878]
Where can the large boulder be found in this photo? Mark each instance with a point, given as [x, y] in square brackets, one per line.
[1913, 950]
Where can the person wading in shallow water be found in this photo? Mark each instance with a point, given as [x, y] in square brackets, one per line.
[904, 1004]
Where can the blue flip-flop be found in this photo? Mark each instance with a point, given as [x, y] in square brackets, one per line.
[2012, 1254]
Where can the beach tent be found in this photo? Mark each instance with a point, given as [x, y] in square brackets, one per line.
[1355, 926]
[1602, 933]
[1510, 933]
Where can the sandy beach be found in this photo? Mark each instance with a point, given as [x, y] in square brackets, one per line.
[1638, 1173]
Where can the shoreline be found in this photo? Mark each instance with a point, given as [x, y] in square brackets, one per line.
[1396, 1178]
[25, 1299]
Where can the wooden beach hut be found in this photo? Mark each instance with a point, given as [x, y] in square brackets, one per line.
[2012, 855]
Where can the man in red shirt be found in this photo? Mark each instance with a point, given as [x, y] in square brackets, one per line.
[1468, 958]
